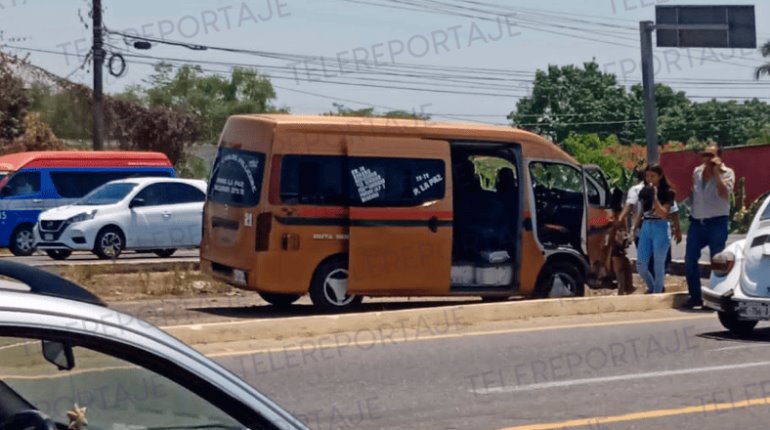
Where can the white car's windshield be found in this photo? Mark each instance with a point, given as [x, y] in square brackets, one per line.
[107, 194]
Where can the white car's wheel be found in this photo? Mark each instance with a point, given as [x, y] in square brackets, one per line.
[110, 243]
[737, 326]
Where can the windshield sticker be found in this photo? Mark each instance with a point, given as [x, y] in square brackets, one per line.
[368, 182]
[426, 182]
[233, 186]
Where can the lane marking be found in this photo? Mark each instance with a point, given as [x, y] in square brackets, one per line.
[615, 378]
[644, 415]
[731, 348]
[310, 343]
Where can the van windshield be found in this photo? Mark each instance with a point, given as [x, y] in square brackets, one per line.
[236, 178]
[107, 194]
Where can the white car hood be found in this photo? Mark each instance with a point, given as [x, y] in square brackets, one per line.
[64, 213]
[755, 276]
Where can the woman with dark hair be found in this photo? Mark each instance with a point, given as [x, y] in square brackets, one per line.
[656, 199]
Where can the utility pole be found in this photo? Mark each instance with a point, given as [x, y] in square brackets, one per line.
[648, 81]
[98, 54]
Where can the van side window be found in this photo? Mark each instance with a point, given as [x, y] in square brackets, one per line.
[74, 185]
[23, 184]
[360, 181]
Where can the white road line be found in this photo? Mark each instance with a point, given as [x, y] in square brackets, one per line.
[605, 379]
[730, 348]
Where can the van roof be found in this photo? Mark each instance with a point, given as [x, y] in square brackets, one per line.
[37, 159]
[538, 145]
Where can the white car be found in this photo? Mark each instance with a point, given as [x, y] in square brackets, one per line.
[740, 278]
[144, 214]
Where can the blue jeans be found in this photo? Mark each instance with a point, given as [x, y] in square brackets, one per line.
[711, 232]
[654, 242]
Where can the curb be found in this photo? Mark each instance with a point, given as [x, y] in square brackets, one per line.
[123, 267]
[428, 319]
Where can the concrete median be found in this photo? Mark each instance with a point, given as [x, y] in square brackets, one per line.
[457, 317]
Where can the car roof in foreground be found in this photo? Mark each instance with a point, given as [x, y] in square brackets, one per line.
[22, 308]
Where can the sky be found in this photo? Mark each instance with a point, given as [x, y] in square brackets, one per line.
[492, 57]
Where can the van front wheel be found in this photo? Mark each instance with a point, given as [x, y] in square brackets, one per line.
[329, 287]
[560, 280]
[23, 241]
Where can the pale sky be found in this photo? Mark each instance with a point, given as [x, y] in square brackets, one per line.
[350, 30]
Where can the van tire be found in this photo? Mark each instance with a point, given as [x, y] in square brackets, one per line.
[280, 300]
[164, 253]
[59, 254]
[328, 274]
[22, 241]
[736, 326]
[110, 243]
[569, 275]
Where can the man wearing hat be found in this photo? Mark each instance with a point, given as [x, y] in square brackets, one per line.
[709, 215]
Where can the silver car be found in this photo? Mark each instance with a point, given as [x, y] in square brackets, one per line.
[68, 361]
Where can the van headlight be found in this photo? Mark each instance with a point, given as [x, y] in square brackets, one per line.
[722, 263]
[85, 216]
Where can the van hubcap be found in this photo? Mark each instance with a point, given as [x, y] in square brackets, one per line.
[562, 285]
[336, 288]
[25, 241]
[111, 244]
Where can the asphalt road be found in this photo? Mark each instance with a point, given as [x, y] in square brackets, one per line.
[40, 259]
[656, 370]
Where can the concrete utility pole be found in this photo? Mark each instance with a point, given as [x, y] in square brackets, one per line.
[98, 54]
[648, 81]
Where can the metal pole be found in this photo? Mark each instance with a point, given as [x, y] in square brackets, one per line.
[648, 81]
[98, 53]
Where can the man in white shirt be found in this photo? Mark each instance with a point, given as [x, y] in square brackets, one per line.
[712, 184]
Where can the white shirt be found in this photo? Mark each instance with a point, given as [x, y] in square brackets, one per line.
[706, 202]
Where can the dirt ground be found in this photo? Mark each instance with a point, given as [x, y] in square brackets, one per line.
[180, 283]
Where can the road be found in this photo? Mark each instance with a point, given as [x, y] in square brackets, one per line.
[654, 370]
[85, 258]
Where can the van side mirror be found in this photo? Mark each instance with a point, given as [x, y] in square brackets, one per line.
[59, 354]
[136, 203]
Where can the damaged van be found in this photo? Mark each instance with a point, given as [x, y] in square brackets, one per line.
[341, 208]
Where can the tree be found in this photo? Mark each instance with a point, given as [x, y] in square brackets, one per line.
[765, 68]
[13, 102]
[212, 98]
[342, 110]
[572, 99]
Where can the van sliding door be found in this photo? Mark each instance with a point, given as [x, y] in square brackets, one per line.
[400, 215]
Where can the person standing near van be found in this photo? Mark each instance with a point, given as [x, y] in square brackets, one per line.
[713, 183]
[656, 198]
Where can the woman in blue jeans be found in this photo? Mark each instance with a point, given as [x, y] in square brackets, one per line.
[656, 199]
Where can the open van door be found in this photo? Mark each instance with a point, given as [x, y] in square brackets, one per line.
[400, 215]
[598, 228]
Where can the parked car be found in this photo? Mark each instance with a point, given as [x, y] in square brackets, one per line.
[739, 288]
[67, 361]
[31, 182]
[144, 214]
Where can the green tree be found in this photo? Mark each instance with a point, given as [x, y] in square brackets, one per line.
[572, 99]
[13, 102]
[765, 68]
[212, 98]
[342, 110]
[67, 117]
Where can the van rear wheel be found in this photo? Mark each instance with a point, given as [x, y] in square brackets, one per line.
[23, 241]
[59, 254]
[329, 287]
[280, 300]
[164, 253]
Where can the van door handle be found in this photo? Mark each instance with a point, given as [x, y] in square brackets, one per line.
[433, 224]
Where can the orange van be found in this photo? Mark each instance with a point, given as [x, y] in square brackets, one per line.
[341, 208]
